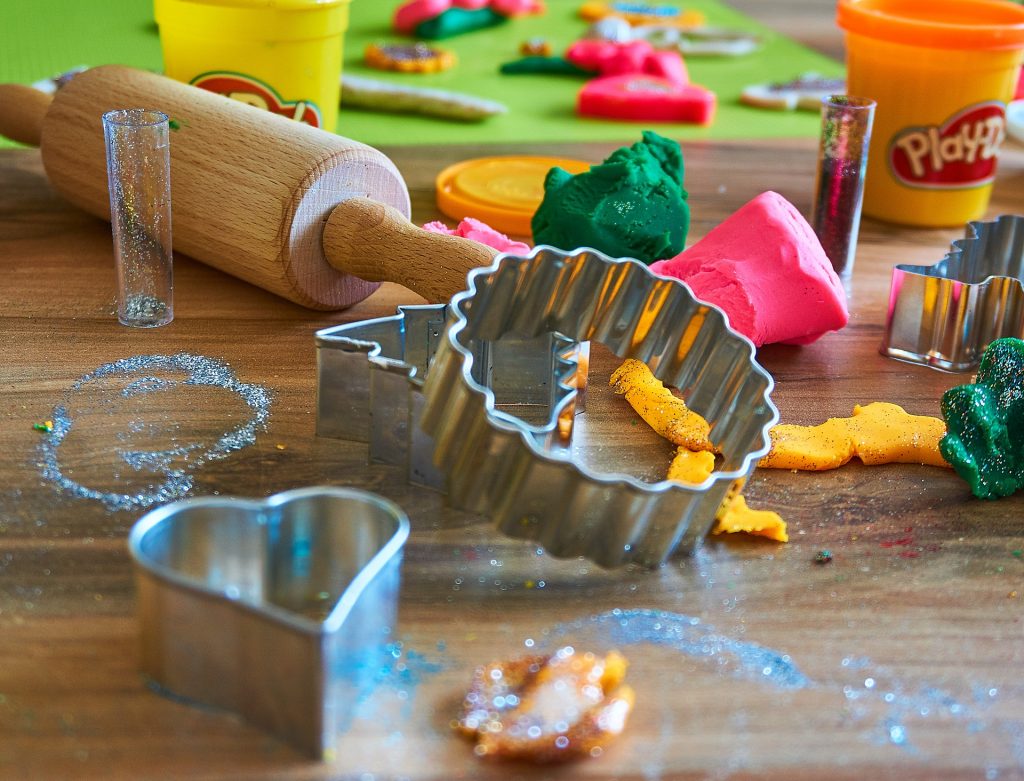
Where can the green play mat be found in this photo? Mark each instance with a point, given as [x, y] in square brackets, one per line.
[41, 39]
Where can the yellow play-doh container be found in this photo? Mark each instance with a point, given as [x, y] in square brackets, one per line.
[280, 55]
[941, 72]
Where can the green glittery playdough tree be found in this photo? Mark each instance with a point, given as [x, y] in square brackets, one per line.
[984, 438]
[632, 205]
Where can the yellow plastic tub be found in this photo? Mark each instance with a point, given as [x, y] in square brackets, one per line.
[280, 55]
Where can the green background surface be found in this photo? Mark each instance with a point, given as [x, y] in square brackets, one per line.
[41, 39]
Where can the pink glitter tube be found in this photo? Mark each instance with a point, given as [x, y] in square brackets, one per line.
[839, 192]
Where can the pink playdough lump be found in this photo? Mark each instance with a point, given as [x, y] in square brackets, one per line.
[473, 229]
[766, 269]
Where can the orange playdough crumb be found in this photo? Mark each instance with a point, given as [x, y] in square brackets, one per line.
[695, 467]
[737, 517]
[878, 433]
[552, 708]
[691, 466]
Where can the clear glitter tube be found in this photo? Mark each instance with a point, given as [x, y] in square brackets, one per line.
[842, 160]
[139, 179]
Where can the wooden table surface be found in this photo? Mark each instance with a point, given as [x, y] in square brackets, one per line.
[908, 645]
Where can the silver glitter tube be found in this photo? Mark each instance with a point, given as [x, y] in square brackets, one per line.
[139, 179]
[842, 160]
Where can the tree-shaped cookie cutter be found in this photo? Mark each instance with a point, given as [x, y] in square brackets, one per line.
[522, 475]
[945, 315]
[370, 377]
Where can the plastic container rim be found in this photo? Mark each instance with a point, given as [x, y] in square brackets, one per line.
[908, 22]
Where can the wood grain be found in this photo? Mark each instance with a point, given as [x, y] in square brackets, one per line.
[22, 110]
[923, 597]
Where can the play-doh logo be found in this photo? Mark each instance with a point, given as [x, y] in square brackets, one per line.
[960, 153]
[255, 93]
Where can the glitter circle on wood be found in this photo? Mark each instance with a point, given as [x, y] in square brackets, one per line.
[173, 461]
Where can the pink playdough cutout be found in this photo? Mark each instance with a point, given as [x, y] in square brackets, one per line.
[646, 98]
[766, 269]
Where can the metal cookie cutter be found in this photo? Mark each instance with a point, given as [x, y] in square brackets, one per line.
[944, 316]
[495, 465]
[370, 378]
[276, 609]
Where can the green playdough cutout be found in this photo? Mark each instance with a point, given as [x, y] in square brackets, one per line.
[984, 438]
[558, 66]
[456, 21]
[632, 205]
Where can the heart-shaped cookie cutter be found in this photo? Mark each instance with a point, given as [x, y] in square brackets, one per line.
[277, 609]
[945, 315]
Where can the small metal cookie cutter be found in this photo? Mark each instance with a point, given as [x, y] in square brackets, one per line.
[278, 610]
[945, 315]
[523, 475]
[370, 378]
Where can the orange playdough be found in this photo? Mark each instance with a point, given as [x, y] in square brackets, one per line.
[878, 433]
[666, 413]
[737, 517]
[695, 466]
[547, 708]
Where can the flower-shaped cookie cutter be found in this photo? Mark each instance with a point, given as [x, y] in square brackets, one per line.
[496, 466]
[945, 315]
[278, 609]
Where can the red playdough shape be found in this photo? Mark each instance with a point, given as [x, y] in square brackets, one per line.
[668, 65]
[612, 58]
[513, 8]
[410, 15]
[766, 269]
[644, 98]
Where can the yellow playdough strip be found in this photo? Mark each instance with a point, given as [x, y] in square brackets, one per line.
[878, 433]
[694, 461]
[666, 413]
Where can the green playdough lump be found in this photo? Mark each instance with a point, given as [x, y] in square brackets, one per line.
[984, 438]
[633, 205]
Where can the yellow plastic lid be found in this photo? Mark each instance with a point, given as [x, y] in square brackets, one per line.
[504, 192]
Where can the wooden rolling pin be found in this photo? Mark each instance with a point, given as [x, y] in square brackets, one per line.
[305, 214]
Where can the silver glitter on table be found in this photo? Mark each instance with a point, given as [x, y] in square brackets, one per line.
[692, 637]
[177, 463]
[886, 706]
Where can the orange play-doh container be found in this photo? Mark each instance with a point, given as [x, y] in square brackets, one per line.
[941, 72]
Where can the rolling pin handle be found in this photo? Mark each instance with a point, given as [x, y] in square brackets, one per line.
[22, 110]
[377, 243]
